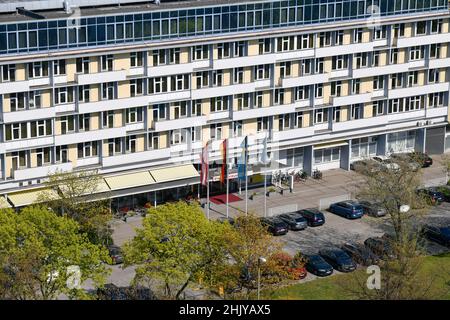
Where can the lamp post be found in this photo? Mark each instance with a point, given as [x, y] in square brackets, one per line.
[260, 260]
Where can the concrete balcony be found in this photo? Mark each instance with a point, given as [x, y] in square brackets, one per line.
[15, 86]
[344, 49]
[263, 112]
[28, 115]
[406, 116]
[222, 115]
[134, 126]
[230, 89]
[439, 63]
[24, 144]
[42, 172]
[382, 70]
[351, 99]
[417, 64]
[175, 69]
[305, 80]
[91, 161]
[293, 134]
[62, 79]
[63, 108]
[36, 82]
[143, 156]
[359, 124]
[136, 71]
[180, 123]
[92, 135]
[437, 112]
[380, 43]
[115, 104]
[414, 91]
[345, 73]
[423, 40]
[169, 96]
[101, 77]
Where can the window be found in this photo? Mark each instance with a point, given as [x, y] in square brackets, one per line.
[436, 26]
[265, 45]
[84, 93]
[180, 109]
[278, 97]
[285, 43]
[196, 134]
[356, 86]
[63, 95]
[395, 106]
[38, 69]
[133, 115]
[284, 122]
[157, 85]
[237, 128]
[41, 128]
[319, 91]
[435, 51]
[67, 124]
[262, 72]
[263, 124]
[320, 116]
[82, 65]
[364, 147]
[339, 37]
[378, 108]
[34, 99]
[326, 155]
[19, 160]
[399, 30]
[59, 67]
[108, 91]
[413, 103]
[433, 76]
[362, 60]
[243, 101]
[159, 112]
[106, 62]
[306, 66]
[16, 131]
[17, 101]
[380, 33]
[136, 59]
[305, 41]
[378, 83]
[301, 93]
[136, 87]
[87, 149]
[325, 39]
[336, 88]
[339, 62]
[196, 108]
[238, 75]
[202, 79]
[298, 120]
[223, 50]
[375, 58]
[356, 112]
[8, 73]
[108, 119]
[421, 27]
[285, 69]
[62, 154]
[240, 49]
[217, 77]
[320, 62]
[153, 140]
[336, 114]
[114, 146]
[258, 99]
[130, 144]
[200, 52]
[396, 80]
[393, 56]
[357, 35]
[159, 57]
[216, 131]
[84, 122]
[413, 78]
[174, 56]
[436, 99]
[416, 53]
[43, 156]
[219, 104]
[179, 82]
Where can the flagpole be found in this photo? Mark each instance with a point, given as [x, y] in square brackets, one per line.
[207, 181]
[228, 180]
[246, 175]
[265, 193]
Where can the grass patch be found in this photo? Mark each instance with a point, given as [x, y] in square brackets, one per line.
[436, 268]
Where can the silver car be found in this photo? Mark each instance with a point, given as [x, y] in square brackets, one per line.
[294, 220]
[373, 209]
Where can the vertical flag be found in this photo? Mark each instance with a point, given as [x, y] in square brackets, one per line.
[242, 161]
[264, 156]
[223, 150]
[205, 165]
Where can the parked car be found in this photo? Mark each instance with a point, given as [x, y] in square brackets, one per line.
[315, 264]
[348, 209]
[116, 254]
[313, 217]
[432, 195]
[275, 226]
[338, 259]
[363, 164]
[380, 246]
[294, 220]
[372, 209]
[440, 235]
[360, 254]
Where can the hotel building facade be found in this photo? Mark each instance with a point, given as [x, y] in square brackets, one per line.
[136, 90]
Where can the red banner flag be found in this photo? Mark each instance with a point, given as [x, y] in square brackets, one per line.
[223, 150]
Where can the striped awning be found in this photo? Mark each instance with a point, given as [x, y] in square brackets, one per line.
[129, 180]
[23, 198]
[174, 173]
[330, 145]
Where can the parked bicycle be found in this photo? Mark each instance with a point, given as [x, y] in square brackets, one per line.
[300, 176]
[317, 174]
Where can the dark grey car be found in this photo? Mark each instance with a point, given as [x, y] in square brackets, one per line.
[294, 220]
[372, 209]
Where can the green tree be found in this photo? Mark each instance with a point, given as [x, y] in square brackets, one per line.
[37, 250]
[176, 246]
[77, 196]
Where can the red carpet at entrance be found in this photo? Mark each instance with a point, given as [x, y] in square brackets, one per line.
[222, 199]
